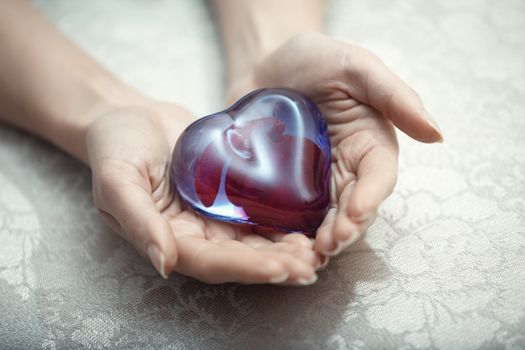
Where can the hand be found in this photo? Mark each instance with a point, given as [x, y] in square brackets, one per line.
[71, 102]
[129, 153]
[361, 100]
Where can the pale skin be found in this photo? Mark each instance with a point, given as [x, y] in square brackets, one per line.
[126, 138]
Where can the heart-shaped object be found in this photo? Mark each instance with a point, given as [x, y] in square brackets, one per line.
[264, 161]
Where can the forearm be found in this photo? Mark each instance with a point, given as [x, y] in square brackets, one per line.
[252, 29]
[48, 86]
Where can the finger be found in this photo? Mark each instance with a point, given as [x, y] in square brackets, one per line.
[296, 244]
[254, 240]
[110, 221]
[376, 178]
[324, 240]
[269, 237]
[300, 272]
[142, 223]
[296, 238]
[304, 254]
[373, 83]
[233, 261]
[299, 239]
[228, 261]
[357, 205]
[324, 263]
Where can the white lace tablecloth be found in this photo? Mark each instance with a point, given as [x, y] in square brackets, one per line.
[443, 267]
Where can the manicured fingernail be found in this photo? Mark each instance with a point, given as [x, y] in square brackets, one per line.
[279, 279]
[307, 282]
[336, 251]
[353, 237]
[157, 259]
[323, 263]
[434, 125]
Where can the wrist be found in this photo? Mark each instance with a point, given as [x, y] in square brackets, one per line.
[252, 30]
[69, 119]
[253, 48]
[264, 72]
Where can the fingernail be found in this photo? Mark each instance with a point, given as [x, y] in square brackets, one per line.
[431, 121]
[307, 282]
[354, 235]
[336, 251]
[157, 259]
[279, 279]
[323, 264]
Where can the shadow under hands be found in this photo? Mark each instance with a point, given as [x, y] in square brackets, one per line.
[282, 317]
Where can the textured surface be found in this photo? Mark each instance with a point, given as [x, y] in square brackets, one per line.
[443, 267]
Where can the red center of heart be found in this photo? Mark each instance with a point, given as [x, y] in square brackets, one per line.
[274, 177]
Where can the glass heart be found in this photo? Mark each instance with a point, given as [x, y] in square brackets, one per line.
[264, 161]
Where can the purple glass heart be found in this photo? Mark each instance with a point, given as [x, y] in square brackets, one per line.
[264, 161]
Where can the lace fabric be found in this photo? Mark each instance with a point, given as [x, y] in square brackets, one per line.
[443, 267]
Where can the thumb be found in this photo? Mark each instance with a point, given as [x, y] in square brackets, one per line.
[130, 207]
[373, 83]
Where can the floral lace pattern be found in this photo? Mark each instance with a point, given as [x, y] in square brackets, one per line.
[443, 267]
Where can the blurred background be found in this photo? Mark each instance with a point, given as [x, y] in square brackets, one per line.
[443, 266]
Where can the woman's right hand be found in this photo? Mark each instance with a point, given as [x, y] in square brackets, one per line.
[129, 151]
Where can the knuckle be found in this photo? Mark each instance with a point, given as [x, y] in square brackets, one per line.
[269, 270]
[111, 222]
[299, 239]
[389, 107]
[134, 237]
[97, 201]
[366, 55]
[416, 95]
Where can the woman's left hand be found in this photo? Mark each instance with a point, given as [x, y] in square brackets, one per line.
[362, 101]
